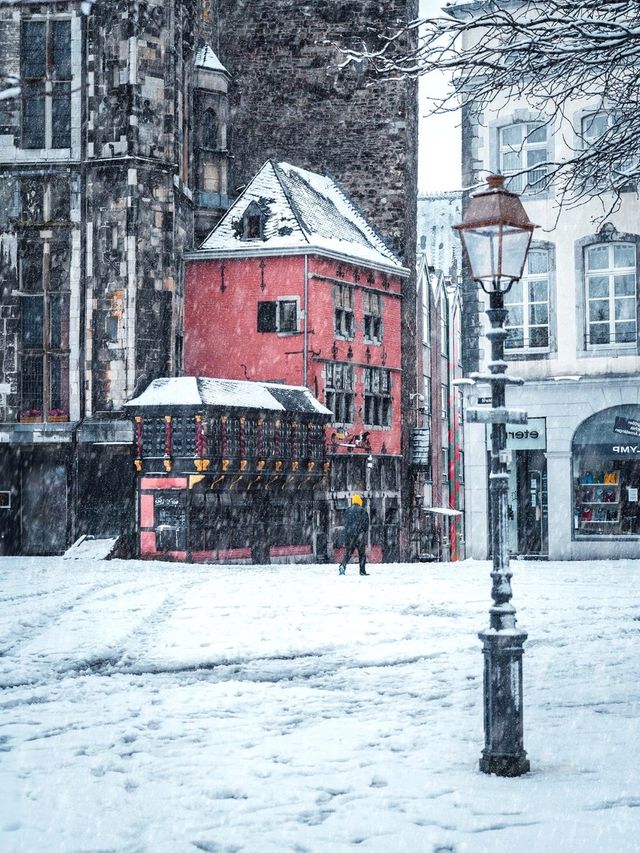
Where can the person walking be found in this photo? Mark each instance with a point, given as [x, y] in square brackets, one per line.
[356, 525]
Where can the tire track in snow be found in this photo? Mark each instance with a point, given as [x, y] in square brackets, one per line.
[45, 617]
[92, 641]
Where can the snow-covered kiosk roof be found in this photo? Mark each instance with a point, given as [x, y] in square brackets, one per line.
[203, 392]
[302, 212]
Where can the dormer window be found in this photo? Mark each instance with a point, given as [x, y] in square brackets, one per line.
[253, 223]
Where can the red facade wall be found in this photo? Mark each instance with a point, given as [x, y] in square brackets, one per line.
[221, 337]
[220, 319]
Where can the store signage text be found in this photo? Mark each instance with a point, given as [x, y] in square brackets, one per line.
[626, 448]
[532, 436]
[627, 426]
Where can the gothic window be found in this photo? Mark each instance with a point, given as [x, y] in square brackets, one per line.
[209, 129]
[32, 199]
[45, 200]
[343, 311]
[372, 322]
[339, 391]
[44, 329]
[45, 69]
[377, 396]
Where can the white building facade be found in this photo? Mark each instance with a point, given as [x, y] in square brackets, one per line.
[573, 337]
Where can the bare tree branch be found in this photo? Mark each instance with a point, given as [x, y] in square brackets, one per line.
[549, 53]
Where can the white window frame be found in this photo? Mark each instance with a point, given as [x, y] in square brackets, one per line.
[296, 302]
[532, 180]
[527, 302]
[610, 273]
[586, 139]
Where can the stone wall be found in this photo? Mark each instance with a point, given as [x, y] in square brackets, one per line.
[290, 101]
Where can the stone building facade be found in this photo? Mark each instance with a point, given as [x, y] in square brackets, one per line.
[114, 160]
[104, 162]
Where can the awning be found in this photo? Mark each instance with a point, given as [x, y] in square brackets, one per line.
[442, 510]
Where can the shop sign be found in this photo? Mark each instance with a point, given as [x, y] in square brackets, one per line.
[626, 449]
[529, 436]
[169, 500]
[607, 451]
[627, 426]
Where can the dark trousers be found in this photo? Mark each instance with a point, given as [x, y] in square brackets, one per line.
[359, 545]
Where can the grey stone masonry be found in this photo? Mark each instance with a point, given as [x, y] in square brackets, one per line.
[290, 101]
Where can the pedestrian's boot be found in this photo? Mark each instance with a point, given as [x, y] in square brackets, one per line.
[364, 572]
[342, 569]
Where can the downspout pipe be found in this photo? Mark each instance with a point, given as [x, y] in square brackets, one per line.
[305, 344]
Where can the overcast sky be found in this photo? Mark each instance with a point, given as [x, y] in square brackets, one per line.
[439, 165]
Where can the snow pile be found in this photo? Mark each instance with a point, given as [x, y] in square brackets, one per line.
[90, 548]
[170, 707]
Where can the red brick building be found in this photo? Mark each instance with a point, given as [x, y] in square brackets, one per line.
[295, 286]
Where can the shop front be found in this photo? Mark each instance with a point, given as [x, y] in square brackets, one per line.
[528, 504]
[574, 483]
[606, 475]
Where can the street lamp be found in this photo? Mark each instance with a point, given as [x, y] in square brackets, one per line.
[496, 234]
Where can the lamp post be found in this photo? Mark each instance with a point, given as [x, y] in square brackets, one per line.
[496, 234]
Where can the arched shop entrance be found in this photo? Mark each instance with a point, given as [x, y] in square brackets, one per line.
[606, 474]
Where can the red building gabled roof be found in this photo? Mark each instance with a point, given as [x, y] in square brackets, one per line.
[301, 212]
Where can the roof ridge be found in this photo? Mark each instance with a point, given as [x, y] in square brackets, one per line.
[292, 204]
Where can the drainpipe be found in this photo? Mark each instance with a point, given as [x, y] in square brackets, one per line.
[305, 346]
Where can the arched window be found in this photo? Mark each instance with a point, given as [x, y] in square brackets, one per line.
[209, 129]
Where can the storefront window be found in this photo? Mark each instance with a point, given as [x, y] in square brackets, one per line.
[606, 474]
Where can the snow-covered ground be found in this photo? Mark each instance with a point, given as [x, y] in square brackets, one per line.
[159, 707]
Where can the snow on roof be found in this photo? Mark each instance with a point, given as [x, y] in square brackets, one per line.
[206, 58]
[301, 210]
[228, 393]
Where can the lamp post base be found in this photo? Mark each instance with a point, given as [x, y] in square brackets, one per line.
[504, 752]
[505, 765]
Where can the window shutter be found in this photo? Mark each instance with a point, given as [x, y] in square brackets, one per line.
[267, 316]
